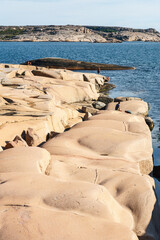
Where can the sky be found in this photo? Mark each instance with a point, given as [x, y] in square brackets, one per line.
[123, 13]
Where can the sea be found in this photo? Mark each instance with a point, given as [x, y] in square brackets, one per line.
[143, 82]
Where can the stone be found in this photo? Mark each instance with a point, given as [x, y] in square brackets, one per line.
[102, 152]
[16, 142]
[106, 87]
[99, 105]
[32, 138]
[138, 107]
[89, 180]
[51, 135]
[90, 109]
[105, 99]
[119, 131]
[149, 122]
[122, 99]
[85, 78]
[43, 100]
[24, 160]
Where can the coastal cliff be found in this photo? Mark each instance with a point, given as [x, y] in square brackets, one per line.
[71, 33]
[68, 170]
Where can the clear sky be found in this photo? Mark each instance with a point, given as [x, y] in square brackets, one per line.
[124, 13]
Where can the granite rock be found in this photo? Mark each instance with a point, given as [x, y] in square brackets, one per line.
[90, 182]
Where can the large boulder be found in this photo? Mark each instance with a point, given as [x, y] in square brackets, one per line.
[105, 99]
[138, 107]
[99, 105]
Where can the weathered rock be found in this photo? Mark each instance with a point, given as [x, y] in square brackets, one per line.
[51, 135]
[89, 181]
[102, 152]
[17, 142]
[105, 99]
[74, 65]
[115, 134]
[106, 87]
[32, 138]
[90, 109]
[149, 122]
[99, 105]
[138, 107]
[97, 80]
[42, 98]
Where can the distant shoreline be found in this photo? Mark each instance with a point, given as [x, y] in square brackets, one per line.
[73, 33]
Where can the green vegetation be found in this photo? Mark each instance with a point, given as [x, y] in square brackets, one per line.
[8, 33]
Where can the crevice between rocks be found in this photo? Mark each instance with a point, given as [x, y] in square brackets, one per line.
[96, 176]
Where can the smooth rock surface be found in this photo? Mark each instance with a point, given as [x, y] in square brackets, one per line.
[138, 107]
[110, 149]
[89, 182]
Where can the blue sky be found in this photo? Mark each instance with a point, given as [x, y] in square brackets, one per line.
[133, 13]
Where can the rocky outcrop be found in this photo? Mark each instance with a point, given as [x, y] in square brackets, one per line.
[75, 65]
[41, 99]
[71, 33]
[50, 33]
[90, 182]
[87, 181]
[135, 106]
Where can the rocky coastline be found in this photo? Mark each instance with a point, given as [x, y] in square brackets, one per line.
[74, 64]
[73, 33]
[71, 167]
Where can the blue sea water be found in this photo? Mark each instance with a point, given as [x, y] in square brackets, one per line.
[143, 82]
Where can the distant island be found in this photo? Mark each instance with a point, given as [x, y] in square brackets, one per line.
[72, 33]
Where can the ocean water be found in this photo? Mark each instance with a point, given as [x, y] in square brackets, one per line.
[144, 82]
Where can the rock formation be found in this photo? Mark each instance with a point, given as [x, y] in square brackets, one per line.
[75, 65]
[42, 99]
[90, 182]
[71, 33]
